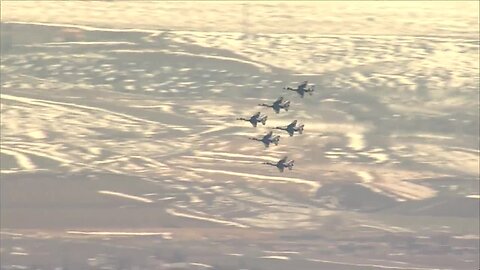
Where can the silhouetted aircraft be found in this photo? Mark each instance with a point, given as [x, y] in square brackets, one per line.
[282, 164]
[254, 119]
[291, 128]
[278, 104]
[302, 89]
[267, 139]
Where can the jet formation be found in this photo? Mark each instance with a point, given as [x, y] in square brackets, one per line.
[269, 138]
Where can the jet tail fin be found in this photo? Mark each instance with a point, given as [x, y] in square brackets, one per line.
[264, 120]
[290, 164]
[300, 129]
[276, 140]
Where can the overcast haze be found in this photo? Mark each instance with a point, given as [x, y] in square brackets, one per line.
[121, 148]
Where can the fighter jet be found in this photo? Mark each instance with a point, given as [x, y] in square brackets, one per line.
[291, 128]
[278, 104]
[282, 164]
[256, 118]
[268, 139]
[302, 89]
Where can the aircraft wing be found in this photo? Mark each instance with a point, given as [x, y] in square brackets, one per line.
[269, 134]
[303, 85]
[280, 169]
[293, 124]
[278, 100]
[256, 115]
[266, 143]
[281, 161]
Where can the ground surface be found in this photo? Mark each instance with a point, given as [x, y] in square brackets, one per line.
[120, 147]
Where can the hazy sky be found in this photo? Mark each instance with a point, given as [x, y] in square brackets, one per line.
[322, 17]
